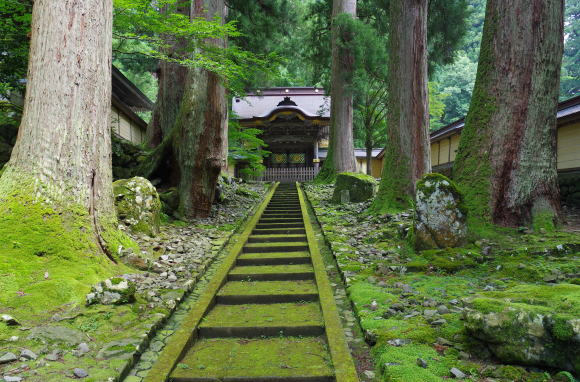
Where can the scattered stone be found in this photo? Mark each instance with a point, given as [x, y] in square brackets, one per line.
[53, 355]
[138, 205]
[457, 374]
[398, 342]
[8, 357]
[374, 305]
[28, 355]
[13, 338]
[122, 349]
[369, 374]
[440, 215]
[442, 309]
[80, 373]
[12, 378]
[370, 338]
[439, 322]
[444, 342]
[9, 320]
[57, 334]
[82, 349]
[361, 187]
[113, 291]
[422, 363]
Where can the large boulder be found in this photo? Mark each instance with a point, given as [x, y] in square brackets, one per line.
[529, 324]
[360, 187]
[440, 218]
[138, 205]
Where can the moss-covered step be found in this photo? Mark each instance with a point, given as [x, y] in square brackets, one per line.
[255, 320]
[279, 231]
[273, 258]
[247, 292]
[276, 247]
[279, 225]
[281, 214]
[280, 220]
[272, 272]
[276, 238]
[256, 360]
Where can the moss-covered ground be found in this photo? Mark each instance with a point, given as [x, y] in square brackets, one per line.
[48, 263]
[410, 304]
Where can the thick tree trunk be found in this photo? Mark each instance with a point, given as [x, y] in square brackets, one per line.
[369, 155]
[201, 130]
[62, 156]
[407, 154]
[506, 162]
[340, 157]
[171, 80]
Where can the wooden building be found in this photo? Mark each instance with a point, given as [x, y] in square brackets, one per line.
[295, 124]
[126, 100]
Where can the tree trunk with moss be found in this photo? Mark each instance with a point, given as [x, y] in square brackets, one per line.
[200, 130]
[61, 162]
[407, 153]
[340, 156]
[171, 81]
[506, 162]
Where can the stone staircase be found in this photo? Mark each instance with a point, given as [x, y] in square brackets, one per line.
[266, 323]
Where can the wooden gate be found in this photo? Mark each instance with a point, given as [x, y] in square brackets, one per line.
[292, 174]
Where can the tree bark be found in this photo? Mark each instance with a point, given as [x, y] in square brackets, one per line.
[340, 157]
[506, 163]
[407, 153]
[62, 156]
[171, 81]
[201, 127]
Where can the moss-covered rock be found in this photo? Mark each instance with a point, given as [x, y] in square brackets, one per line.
[138, 205]
[113, 291]
[440, 220]
[361, 187]
[530, 324]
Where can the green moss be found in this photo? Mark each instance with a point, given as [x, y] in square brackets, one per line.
[236, 357]
[48, 258]
[268, 287]
[264, 315]
[361, 187]
[544, 220]
[266, 269]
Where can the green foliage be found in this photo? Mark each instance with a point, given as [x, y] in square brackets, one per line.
[157, 28]
[246, 146]
[570, 77]
[15, 20]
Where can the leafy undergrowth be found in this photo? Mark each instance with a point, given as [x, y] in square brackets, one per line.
[412, 304]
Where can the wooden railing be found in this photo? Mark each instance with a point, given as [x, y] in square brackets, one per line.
[294, 174]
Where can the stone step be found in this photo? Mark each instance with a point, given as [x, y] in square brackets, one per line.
[278, 231]
[275, 247]
[280, 220]
[255, 320]
[267, 292]
[271, 272]
[274, 258]
[279, 225]
[276, 238]
[279, 359]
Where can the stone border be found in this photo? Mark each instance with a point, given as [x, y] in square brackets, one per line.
[184, 337]
[342, 361]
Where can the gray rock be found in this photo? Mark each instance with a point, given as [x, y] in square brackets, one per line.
[9, 320]
[369, 374]
[442, 309]
[398, 342]
[456, 373]
[429, 313]
[83, 348]
[12, 378]
[80, 373]
[122, 349]
[439, 322]
[138, 205]
[113, 291]
[422, 363]
[53, 355]
[57, 334]
[7, 358]
[28, 354]
[440, 219]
